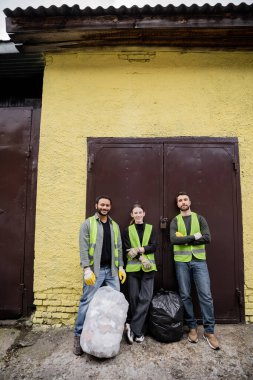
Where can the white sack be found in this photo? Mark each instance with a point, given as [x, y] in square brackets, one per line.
[104, 323]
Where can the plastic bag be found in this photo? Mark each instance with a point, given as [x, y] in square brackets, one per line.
[104, 323]
[166, 316]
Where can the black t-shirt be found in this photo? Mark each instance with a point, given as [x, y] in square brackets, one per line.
[106, 256]
[140, 231]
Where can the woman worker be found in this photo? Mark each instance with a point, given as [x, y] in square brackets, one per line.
[140, 245]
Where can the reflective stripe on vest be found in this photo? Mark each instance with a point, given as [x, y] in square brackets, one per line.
[93, 239]
[134, 265]
[183, 253]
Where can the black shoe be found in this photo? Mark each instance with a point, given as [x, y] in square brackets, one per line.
[77, 349]
[130, 334]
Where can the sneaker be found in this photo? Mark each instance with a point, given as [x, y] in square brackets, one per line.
[77, 349]
[212, 341]
[130, 334]
[193, 336]
[139, 339]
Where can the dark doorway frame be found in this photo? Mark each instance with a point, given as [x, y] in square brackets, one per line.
[91, 141]
[28, 275]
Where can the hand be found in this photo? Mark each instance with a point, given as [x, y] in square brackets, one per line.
[178, 234]
[145, 262]
[122, 275]
[89, 276]
[132, 252]
[197, 236]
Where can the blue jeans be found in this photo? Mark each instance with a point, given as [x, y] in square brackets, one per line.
[105, 278]
[198, 271]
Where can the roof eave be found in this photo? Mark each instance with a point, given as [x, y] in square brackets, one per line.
[58, 29]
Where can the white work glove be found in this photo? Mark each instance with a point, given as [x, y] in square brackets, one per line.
[145, 262]
[89, 276]
[197, 236]
[132, 252]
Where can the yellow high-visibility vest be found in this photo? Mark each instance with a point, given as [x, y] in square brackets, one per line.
[134, 265]
[183, 253]
[93, 239]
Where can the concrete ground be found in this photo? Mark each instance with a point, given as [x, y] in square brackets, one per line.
[46, 353]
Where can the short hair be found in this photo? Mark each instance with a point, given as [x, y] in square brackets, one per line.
[182, 193]
[103, 197]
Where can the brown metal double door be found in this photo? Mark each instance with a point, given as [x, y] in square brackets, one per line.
[152, 171]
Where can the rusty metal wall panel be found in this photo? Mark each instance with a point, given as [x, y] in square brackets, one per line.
[15, 126]
[153, 171]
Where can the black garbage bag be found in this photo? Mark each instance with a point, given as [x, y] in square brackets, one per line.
[166, 316]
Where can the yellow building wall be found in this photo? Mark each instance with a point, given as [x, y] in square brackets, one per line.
[129, 93]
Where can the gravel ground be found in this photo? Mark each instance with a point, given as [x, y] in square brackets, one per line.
[46, 353]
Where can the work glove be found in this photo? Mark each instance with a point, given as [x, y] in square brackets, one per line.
[178, 234]
[132, 252]
[122, 275]
[197, 236]
[145, 262]
[89, 276]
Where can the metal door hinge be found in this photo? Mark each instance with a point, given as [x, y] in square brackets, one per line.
[91, 160]
[239, 296]
[235, 166]
[29, 152]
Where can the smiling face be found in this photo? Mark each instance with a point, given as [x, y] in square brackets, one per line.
[183, 203]
[138, 214]
[103, 207]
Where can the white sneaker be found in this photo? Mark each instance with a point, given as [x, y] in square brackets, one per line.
[139, 339]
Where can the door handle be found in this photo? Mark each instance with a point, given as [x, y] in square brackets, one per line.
[1, 211]
[163, 223]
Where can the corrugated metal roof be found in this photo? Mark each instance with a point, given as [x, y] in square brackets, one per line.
[124, 11]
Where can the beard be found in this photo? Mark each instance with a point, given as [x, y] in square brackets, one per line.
[184, 208]
[103, 212]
